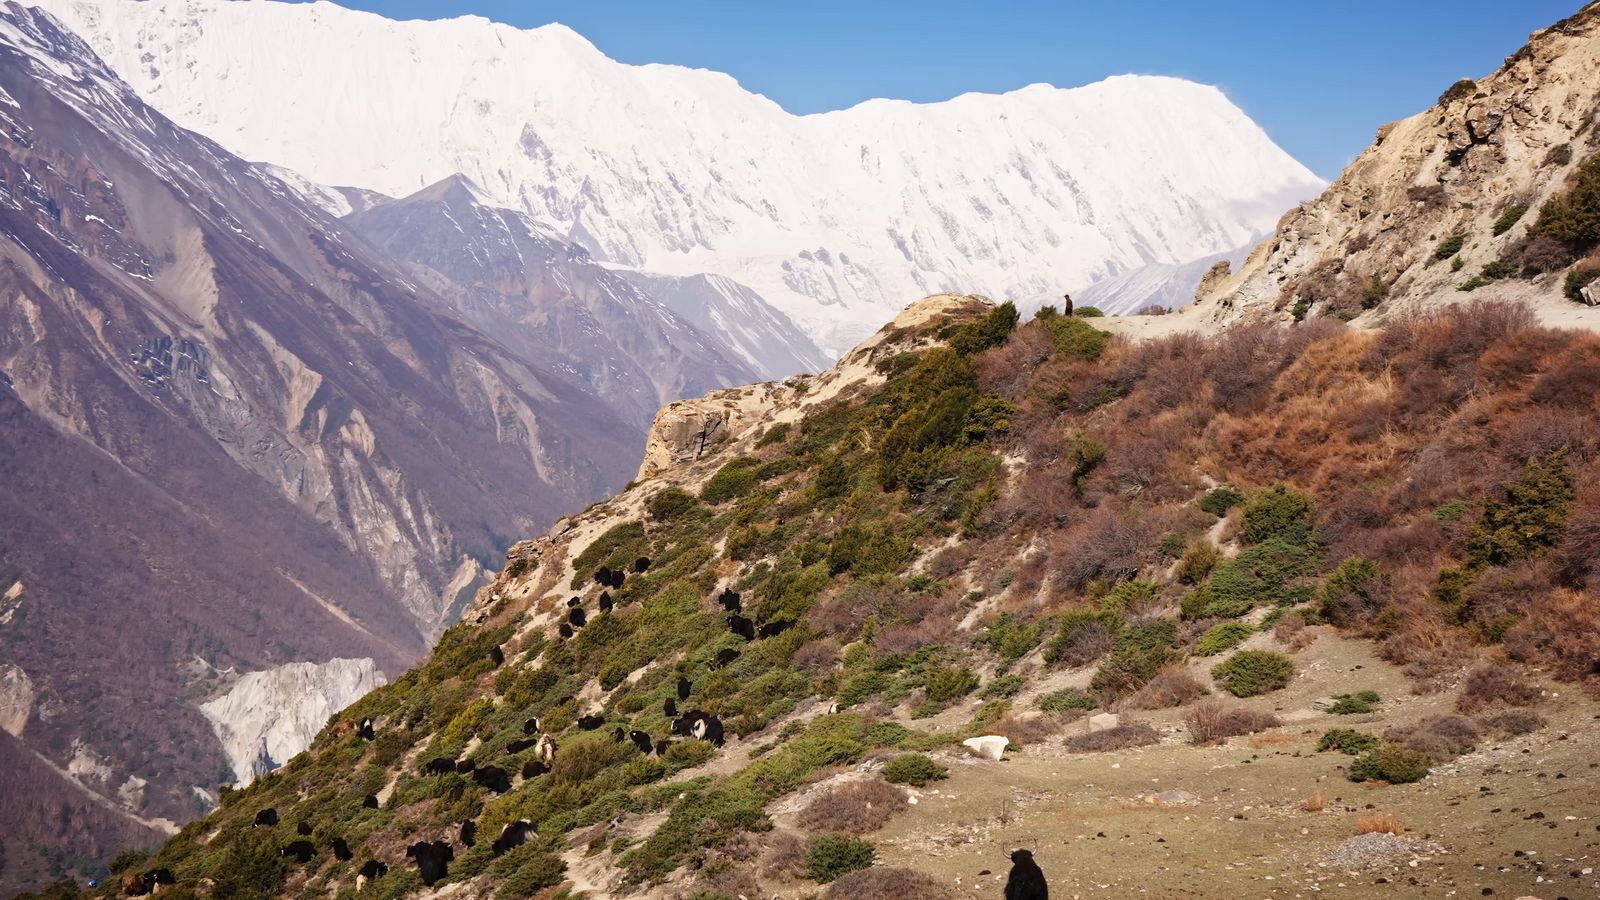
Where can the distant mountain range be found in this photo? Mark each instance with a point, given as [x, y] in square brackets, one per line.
[834, 218]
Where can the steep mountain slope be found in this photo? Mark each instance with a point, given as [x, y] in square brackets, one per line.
[971, 528]
[830, 217]
[233, 439]
[1444, 202]
[548, 301]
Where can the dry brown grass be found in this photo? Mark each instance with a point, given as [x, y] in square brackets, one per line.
[1213, 723]
[1132, 734]
[883, 883]
[1494, 685]
[1171, 686]
[1317, 802]
[855, 807]
[786, 858]
[1028, 728]
[1380, 823]
[1291, 632]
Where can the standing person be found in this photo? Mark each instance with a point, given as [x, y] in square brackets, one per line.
[1066, 301]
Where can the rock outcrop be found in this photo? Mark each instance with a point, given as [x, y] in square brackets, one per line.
[267, 717]
[1374, 243]
[16, 699]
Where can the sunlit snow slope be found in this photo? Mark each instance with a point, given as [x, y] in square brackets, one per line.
[831, 217]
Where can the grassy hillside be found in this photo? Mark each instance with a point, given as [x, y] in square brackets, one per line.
[988, 506]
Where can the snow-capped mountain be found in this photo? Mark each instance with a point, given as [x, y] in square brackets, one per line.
[831, 217]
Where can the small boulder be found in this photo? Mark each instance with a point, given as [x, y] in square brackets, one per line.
[989, 746]
[1104, 722]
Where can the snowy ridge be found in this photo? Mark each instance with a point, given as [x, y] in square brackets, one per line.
[831, 217]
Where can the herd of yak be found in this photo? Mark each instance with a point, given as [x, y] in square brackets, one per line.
[433, 858]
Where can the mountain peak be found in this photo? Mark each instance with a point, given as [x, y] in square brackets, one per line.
[682, 172]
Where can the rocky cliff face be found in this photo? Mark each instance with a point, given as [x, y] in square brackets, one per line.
[1436, 199]
[267, 717]
[234, 437]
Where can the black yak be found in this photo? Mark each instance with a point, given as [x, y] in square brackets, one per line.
[578, 617]
[730, 600]
[518, 746]
[494, 778]
[642, 564]
[742, 627]
[531, 726]
[370, 802]
[497, 656]
[301, 851]
[302, 828]
[534, 768]
[1027, 879]
[433, 860]
[662, 746]
[773, 629]
[724, 657]
[469, 833]
[465, 766]
[684, 686]
[605, 601]
[341, 849]
[574, 602]
[603, 577]
[512, 836]
[442, 765]
[670, 708]
[564, 630]
[366, 730]
[267, 817]
[591, 722]
[640, 740]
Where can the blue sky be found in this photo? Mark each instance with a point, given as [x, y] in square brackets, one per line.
[1319, 75]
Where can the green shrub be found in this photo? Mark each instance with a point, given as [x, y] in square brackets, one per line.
[1579, 278]
[1219, 500]
[1499, 269]
[1279, 512]
[1574, 217]
[1012, 639]
[1223, 637]
[1354, 704]
[776, 434]
[914, 769]
[1137, 653]
[832, 855]
[1450, 246]
[946, 683]
[1529, 520]
[670, 503]
[1260, 575]
[1472, 284]
[1068, 699]
[701, 819]
[1076, 338]
[1198, 561]
[1356, 591]
[1509, 218]
[1251, 672]
[1088, 312]
[1347, 741]
[991, 331]
[525, 871]
[1392, 763]
[1004, 686]
[732, 480]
